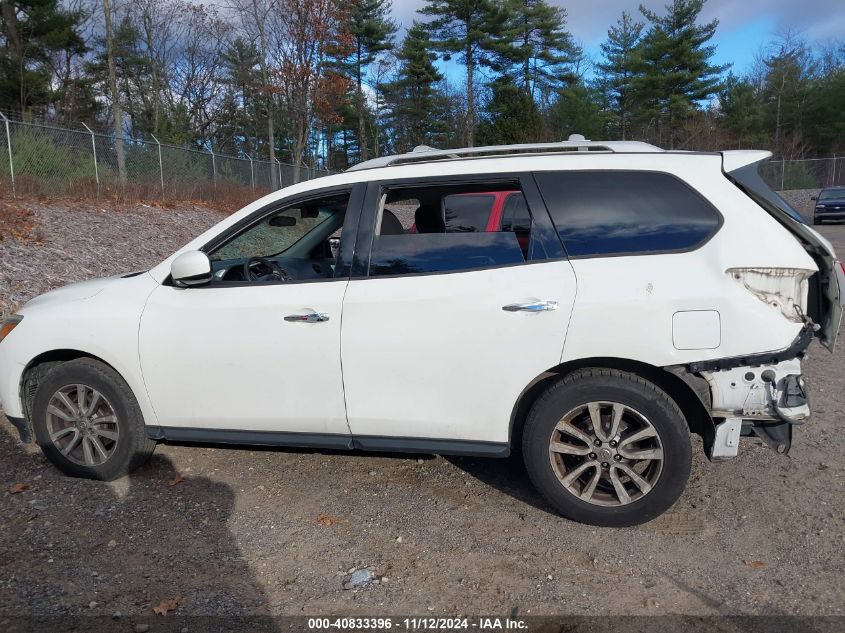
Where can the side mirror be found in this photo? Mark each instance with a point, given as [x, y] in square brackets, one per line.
[814, 197]
[191, 269]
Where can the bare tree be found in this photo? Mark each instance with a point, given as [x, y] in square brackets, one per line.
[306, 31]
[254, 16]
[157, 21]
[195, 78]
[117, 111]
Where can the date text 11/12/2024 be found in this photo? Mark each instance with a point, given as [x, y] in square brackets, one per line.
[417, 624]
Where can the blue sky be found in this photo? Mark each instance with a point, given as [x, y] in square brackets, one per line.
[745, 26]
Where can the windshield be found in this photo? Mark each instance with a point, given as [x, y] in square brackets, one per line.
[830, 194]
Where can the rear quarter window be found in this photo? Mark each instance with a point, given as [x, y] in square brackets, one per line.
[626, 212]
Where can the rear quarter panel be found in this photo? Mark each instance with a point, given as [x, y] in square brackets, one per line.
[625, 304]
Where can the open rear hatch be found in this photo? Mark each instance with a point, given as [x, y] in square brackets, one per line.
[827, 286]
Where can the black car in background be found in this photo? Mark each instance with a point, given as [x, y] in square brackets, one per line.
[830, 205]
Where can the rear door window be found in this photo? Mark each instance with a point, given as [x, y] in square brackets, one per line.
[444, 228]
[626, 212]
[467, 212]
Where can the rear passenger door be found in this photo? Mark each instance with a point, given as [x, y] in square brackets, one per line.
[443, 328]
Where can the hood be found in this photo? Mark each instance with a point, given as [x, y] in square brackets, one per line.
[838, 201]
[73, 292]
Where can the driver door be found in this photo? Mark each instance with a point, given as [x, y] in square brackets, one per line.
[241, 360]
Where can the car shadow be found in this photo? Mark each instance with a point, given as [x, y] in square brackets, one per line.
[507, 475]
[151, 551]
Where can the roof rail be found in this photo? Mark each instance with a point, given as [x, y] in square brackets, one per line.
[576, 143]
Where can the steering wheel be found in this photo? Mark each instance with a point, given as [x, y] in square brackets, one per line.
[263, 269]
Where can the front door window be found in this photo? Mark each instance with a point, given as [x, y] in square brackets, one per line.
[291, 244]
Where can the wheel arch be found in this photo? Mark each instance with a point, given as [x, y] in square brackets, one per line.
[689, 392]
[42, 363]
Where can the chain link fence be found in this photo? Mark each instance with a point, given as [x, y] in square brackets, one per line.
[41, 159]
[809, 173]
[37, 158]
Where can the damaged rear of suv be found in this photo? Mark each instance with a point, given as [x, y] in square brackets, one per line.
[699, 291]
[765, 394]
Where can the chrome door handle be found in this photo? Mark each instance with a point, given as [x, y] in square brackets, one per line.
[314, 317]
[535, 306]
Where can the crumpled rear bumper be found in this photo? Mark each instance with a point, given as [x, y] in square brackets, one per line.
[763, 400]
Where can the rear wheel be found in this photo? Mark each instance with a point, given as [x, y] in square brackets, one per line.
[87, 421]
[607, 447]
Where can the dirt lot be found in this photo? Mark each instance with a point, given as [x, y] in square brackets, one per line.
[240, 532]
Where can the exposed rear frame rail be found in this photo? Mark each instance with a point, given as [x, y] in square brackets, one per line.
[796, 348]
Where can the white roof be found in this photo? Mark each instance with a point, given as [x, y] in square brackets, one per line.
[425, 154]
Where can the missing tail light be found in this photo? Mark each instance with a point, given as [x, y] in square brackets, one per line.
[782, 289]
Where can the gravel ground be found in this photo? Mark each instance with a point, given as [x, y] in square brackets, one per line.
[243, 532]
[72, 241]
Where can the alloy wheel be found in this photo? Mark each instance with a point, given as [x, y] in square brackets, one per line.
[82, 425]
[606, 453]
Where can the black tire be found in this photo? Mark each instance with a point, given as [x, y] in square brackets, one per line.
[132, 447]
[608, 385]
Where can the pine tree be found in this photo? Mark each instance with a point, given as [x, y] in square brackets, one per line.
[30, 31]
[413, 98]
[241, 74]
[512, 116]
[741, 111]
[618, 69]
[788, 91]
[539, 45]
[579, 110]
[824, 121]
[372, 31]
[675, 72]
[467, 28]
[121, 45]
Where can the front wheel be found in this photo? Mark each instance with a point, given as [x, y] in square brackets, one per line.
[87, 421]
[607, 448]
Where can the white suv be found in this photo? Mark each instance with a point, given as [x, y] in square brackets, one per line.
[587, 303]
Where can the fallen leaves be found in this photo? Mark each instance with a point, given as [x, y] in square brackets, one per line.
[16, 489]
[166, 606]
[754, 564]
[178, 479]
[327, 520]
[18, 222]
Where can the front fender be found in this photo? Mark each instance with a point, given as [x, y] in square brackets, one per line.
[103, 325]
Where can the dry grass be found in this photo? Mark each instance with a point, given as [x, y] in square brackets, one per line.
[226, 196]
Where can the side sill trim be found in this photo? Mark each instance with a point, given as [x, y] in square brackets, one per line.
[467, 448]
[372, 443]
[255, 438]
[796, 348]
